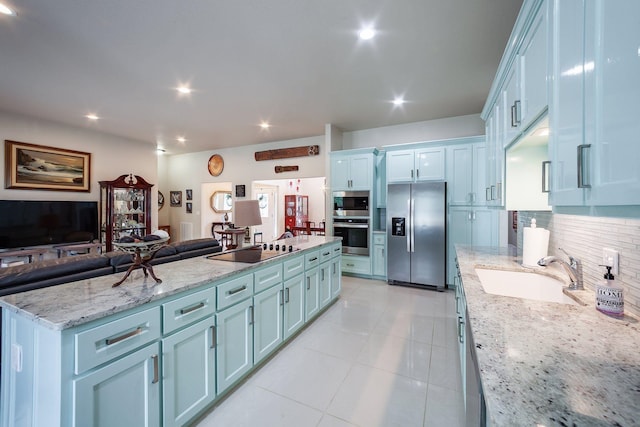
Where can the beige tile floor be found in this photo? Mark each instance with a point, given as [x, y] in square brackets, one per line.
[380, 356]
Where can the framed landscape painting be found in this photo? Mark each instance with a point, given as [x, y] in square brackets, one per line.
[37, 167]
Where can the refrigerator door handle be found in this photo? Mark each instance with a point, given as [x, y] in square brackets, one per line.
[412, 215]
[409, 225]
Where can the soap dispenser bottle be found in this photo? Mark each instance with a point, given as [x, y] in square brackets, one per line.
[609, 296]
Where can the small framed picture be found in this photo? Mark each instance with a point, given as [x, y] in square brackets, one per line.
[175, 198]
[189, 194]
[189, 207]
[240, 191]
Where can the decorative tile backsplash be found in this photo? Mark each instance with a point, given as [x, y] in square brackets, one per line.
[584, 237]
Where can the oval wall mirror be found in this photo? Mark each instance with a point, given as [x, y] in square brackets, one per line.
[221, 201]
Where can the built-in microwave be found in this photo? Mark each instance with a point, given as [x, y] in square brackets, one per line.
[351, 203]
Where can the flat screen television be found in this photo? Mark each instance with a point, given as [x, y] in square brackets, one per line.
[25, 223]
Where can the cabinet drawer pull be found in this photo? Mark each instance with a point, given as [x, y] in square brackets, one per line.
[155, 369]
[350, 265]
[214, 337]
[110, 341]
[460, 328]
[545, 176]
[313, 259]
[236, 290]
[326, 253]
[581, 172]
[192, 308]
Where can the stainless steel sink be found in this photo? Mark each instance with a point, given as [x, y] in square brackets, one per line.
[520, 284]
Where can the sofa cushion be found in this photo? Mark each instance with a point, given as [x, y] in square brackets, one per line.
[195, 244]
[51, 268]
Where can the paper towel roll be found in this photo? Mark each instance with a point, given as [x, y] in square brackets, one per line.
[535, 245]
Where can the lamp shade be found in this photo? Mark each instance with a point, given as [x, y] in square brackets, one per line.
[246, 213]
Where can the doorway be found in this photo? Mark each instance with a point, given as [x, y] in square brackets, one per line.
[267, 196]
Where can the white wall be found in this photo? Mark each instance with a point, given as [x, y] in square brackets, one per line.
[111, 156]
[431, 130]
[240, 168]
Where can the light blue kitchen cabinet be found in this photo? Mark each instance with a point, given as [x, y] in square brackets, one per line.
[534, 63]
[381, 180]
[466, 172]
[294, 306]
[379, 255]
[594, 153]
[312, 297]
[352, 170]
[234, 349]
[324, 284]
[494, 173]
[415, 165]
[511, 104]
[356, 264]
[268, 324]
[470, 226]
[336, 277]
[188, 372]
[123, 393]
[567, 110]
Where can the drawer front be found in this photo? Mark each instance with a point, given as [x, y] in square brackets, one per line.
[234, 291]
[357, 265]
[98, 345]
[336, 249]
[293, 267]
[267, 277]
[187, 310]
[312, 259]
[326, 253]
[378, 239]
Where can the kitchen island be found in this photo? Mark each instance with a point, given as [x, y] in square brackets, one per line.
[547, 364]
[147, 353]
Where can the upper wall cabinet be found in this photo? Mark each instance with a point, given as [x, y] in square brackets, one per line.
[525, 93]
[466, 173]
[424, 164]
[352, 170]
[594, 115]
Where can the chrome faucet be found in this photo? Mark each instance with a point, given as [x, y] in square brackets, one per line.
[574, 269]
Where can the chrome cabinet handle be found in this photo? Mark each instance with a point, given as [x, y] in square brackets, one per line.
[499, 191]
[251, 319]
[411, 173]
[487, 194]
[281, 296]
[518, 112]
[581, 173]
[286, 295]
[192, 308]
[155, 369]
[111, 341]
[417, 173]
[545, 175]
[513, 116]
[493, 197]
[313, 259]
[322, 271]
[308, 283]
[214, 337]
[236, 290]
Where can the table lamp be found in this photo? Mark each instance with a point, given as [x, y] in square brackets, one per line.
[246, 213]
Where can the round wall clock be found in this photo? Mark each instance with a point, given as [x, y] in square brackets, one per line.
[216, 165]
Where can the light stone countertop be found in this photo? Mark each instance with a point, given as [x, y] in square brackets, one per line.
[64, 306]
[547, 364]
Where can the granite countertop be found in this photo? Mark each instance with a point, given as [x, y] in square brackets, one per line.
[544, 364]
[64, 306]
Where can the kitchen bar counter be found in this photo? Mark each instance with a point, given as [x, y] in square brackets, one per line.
[71, 304]
[547, 364]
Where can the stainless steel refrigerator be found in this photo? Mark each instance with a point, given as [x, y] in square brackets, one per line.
[416, 234]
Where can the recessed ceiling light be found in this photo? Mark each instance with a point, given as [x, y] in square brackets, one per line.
[366, 33]
[160, 151]
[398, 101]
[92, 117]
[6, 10]
[181, 139]
[265, 125]
[184, 90]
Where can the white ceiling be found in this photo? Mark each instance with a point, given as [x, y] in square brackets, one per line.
[295, 63]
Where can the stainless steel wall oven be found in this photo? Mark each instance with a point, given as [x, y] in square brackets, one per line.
[354, 233]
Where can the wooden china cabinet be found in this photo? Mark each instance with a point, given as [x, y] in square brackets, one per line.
[125, 208]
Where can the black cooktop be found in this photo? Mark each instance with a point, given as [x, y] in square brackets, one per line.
[249, 255]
